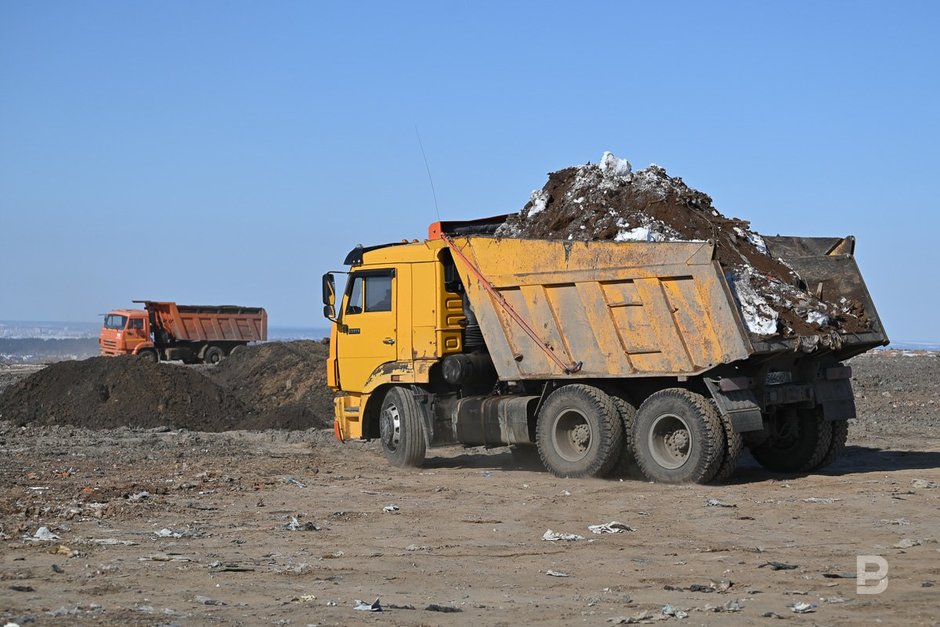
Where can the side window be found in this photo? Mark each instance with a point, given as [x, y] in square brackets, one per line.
[354, 304]
[378, 293]
[136, 324]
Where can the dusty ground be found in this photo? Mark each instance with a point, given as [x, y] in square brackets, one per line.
[468, 532]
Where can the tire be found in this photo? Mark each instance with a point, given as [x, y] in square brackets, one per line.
[799, 441]
[840, 433]
[626, 464]
[213, 355]
[578, 432]
[148, 355]
[400, 429]
[734, 443]
[678, 437]
[238, 348]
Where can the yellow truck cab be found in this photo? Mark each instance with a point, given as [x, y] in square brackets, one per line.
[601, 354]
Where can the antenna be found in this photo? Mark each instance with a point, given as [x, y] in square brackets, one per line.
[428, 167]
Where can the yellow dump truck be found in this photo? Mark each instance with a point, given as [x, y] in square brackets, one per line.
[600, 354]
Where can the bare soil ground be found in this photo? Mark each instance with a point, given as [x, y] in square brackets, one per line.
[160, 527]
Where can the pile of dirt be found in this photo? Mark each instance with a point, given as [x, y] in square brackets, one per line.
[285, 383]
[609, 201]
[280, 385]
[109, 392]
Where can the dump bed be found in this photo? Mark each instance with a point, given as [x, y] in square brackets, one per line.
[624, 309]
[197, 323]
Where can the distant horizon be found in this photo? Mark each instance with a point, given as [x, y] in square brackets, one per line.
[281, 331]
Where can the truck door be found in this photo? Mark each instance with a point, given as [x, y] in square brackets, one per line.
[368, 328]
[135, 334]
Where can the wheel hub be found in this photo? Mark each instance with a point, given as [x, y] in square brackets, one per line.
[571, 435]
[390, 427]
[670, 441]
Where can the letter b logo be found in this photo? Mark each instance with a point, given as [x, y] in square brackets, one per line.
[863, 576]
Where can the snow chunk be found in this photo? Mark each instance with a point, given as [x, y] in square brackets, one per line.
[611, 166]
[759, 316]
[538, 201]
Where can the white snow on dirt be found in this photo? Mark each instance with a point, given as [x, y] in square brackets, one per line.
[759, 316]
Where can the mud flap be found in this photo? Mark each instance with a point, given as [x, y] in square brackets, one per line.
[740, 406]
[836, 399]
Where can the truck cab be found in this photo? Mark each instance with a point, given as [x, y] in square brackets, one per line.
[125, 332]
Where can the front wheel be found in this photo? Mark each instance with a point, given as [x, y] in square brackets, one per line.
[148, 355]
[678, 437]
[401, 430]
[579, 432]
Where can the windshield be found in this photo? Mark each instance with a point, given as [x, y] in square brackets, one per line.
[114, 321]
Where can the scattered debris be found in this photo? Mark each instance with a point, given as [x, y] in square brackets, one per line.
[734, 605]
[362, 606]
[447, 609]
[553, 536]
[717, 503]
[636, 619]
[44, 535]
[814, 499]
[295, 482]
[907, 543]
[802, 608]
[218, 567]
[203, 600]
[778, 566]
[611, 527]
[112, 542]
[670, 610]
[296, 525]
[139, 496]
[556, 573]
[835, 600]
[840, 575]
[923, 484]
[21, 588]
[391, 509]
[61, 549]
[771, 615]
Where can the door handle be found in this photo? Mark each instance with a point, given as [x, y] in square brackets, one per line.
[388, 341]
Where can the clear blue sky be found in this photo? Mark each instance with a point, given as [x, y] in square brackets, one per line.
[231, 152]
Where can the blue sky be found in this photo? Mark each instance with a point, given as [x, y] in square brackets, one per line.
[231, 152]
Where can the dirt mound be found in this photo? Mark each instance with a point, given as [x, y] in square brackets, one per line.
[609, 201]
[285, 383]
[281, 385]
[108, 392]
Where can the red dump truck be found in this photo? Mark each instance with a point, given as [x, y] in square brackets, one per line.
[191, 333]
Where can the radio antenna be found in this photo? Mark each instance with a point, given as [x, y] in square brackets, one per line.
[428, 167]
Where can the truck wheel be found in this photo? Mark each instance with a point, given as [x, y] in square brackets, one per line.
[148, 355]
[626, 464]
[678, 437]
[213, 355]
[400, 428]
[798, 442]
[733, 445]
[578, 432]
[840, 433]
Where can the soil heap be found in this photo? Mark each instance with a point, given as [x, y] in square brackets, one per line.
[269, 386]
[609, 201]
[284, 383]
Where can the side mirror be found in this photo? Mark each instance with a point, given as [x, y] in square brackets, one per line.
[329, 296]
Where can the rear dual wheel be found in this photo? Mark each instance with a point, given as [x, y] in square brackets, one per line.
[579, 432]
[801, 441]
[678, 437]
